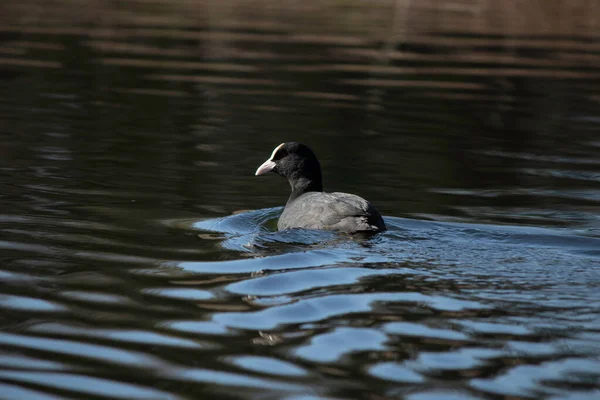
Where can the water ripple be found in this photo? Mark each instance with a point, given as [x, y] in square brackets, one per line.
[319, 308]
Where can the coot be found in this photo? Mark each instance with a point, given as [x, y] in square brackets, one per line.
[308, 206]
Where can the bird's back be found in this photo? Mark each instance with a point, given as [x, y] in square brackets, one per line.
[334, 211]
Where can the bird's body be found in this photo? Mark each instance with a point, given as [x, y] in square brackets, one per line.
[308, 206]
[335, 211]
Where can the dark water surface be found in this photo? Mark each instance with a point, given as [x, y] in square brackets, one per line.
[139, 257]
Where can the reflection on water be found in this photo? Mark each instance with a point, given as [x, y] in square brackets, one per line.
[140, 257]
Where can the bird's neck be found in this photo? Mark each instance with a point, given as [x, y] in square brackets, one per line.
[304, 185]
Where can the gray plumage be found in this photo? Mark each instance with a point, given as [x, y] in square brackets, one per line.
[308, 206]
[334, 211]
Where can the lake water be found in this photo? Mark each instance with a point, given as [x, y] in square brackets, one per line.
[139, 253]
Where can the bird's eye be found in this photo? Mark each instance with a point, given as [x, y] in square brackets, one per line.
[279, 155]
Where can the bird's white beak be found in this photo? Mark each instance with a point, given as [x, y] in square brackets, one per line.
[268, 165]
